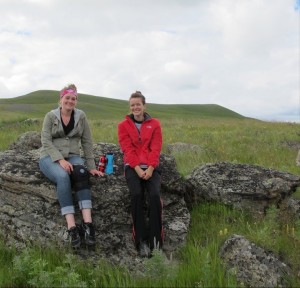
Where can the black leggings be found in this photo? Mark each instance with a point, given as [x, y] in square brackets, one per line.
[152, 233]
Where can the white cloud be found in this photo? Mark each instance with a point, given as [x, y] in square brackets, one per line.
[243, 54]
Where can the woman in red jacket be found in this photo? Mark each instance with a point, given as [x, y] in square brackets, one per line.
[140, 138]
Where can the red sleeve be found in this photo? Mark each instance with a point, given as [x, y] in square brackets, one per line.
[127, 148]
[155, 146]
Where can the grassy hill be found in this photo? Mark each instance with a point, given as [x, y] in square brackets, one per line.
[37, 103]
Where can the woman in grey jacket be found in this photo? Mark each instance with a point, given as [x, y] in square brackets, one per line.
[65, 131]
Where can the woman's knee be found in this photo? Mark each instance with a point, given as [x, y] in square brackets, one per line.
[63, 178]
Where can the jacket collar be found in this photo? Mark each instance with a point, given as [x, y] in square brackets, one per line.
[77, 114]
[146, 116]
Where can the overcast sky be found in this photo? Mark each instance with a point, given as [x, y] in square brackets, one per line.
[240, 54]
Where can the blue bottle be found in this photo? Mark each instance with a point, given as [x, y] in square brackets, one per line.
[109, 169]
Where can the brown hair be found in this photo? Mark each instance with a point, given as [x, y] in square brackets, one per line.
[138, 94]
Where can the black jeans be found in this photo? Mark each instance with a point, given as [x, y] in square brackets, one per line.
[153, 233]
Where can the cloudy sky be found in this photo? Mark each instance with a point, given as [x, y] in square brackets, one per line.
[241, 54]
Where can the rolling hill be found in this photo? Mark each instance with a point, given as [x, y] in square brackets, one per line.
[37, 103]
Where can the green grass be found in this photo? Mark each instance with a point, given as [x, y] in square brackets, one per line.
[223, 135]
[54, 267]
[234, 140]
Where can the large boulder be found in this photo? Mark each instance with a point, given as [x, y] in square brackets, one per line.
[29, 210]
[242, 186]
[252, 265]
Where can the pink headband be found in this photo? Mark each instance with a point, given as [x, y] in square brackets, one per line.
[68, 91]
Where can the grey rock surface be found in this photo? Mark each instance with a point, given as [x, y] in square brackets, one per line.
[245, 187]
[253, 265]
[29, 210]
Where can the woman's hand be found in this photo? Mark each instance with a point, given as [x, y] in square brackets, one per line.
[144, 174]
[96, 172]
[66, 165]
[148, 173]
[139, 171]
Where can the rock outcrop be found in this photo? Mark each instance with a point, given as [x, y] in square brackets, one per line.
[29, 210]
[252, 265]
[245, 187]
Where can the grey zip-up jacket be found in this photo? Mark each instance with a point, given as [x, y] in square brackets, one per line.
[58, 146]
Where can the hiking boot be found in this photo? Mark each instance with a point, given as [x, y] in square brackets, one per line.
[74, 237]
[88, 233]
[144, 250]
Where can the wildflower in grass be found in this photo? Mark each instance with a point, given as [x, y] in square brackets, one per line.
[223, 232]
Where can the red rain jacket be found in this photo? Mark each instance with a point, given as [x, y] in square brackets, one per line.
[142, 147]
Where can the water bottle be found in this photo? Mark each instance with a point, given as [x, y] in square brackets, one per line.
[109, 169]
[102, 163]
